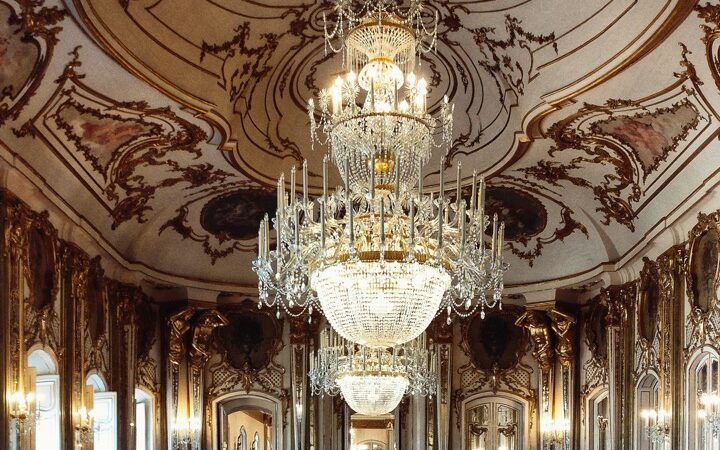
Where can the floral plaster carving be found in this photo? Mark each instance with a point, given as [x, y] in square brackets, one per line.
[248, 346]
[702, 274]
[27, 41]
[496, 366]
[129, 152]
[533, 219]
[620, 135]
[223, 219]
[710, 13]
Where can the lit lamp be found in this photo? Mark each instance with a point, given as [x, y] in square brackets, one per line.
[710, 411]
[657, 425]
[186, 431]
[84, 418]
[23, 404]
[554, 432]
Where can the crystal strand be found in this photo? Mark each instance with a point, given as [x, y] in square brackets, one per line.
[351, 223]
[372, 177]
[382, 226]
[397, 180]
[420, 181]
[412, 224]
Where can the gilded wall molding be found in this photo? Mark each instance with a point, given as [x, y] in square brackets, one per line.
[711, 16]
[488, 374]
[702, 279]
[246, 354]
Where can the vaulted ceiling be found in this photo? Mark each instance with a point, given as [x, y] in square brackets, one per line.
[160, 126]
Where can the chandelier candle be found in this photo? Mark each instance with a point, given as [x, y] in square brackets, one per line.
[379, 257]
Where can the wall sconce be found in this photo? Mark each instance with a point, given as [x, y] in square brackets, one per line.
[23, 410]
[23, 404]
[84, 419]
[554, 432]
[186, 432]
[657, 425]
[84, 431]
[710, 411]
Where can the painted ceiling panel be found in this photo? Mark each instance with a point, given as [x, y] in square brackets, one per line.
[164, 124]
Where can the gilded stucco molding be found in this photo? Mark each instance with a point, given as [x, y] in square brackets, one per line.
[37, 26]
[514, 378]
[702, 280]
[537, 324]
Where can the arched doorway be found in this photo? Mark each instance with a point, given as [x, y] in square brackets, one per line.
[47, 389]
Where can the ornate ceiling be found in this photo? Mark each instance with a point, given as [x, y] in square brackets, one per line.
[160, 126]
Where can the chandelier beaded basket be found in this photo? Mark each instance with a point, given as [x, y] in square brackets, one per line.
[380, 257]
[372, 381]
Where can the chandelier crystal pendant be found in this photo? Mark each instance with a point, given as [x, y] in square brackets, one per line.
[372, 381]
[380, 257]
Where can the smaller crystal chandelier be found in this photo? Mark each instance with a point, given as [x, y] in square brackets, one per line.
[186, 432]
[657, 425]
[554, 432]
[372, 381]
[711, 411]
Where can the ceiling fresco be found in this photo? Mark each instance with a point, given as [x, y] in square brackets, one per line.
[593, 121]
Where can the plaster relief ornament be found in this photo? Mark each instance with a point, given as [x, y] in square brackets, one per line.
[380, 257]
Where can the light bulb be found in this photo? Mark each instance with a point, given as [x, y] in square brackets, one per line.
[422, 85]
[411, 79]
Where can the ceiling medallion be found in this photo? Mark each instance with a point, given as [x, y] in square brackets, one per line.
[372, 381]
[380, 257]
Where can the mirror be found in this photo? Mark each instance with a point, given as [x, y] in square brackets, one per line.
[372, 432]
[249, 430]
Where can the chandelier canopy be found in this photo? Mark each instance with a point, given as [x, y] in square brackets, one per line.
[372, 381]
[380, 257]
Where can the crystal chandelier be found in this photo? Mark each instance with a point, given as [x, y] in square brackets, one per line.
[22, 407]
[657, 425]
[186, 432]
[554, 432]
[372, 381]
[380, 257]
[711, 411]
[84, 427]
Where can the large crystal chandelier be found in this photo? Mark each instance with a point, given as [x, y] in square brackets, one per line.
[372, 381]
[380, 257]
